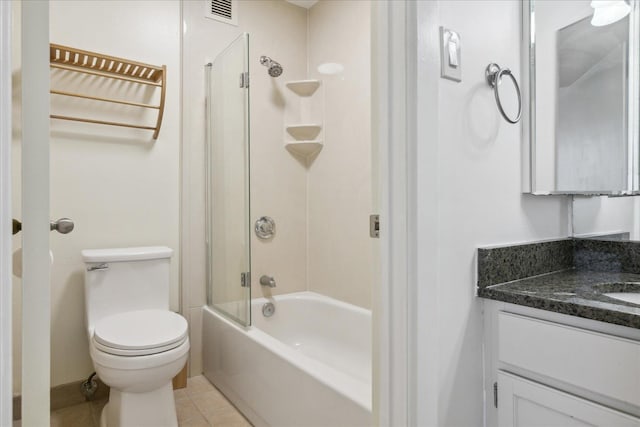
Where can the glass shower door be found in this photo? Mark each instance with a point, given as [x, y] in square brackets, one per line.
[227, 204]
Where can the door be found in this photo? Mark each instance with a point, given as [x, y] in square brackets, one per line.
[227, 205]
[6, 384]
[523, 403]
[36, 295]
[32, 46]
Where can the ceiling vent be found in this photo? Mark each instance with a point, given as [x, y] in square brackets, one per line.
[222, 10]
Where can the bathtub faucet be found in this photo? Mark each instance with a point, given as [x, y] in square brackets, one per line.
[268, 281]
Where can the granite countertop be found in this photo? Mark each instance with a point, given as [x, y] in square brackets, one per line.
[573, 292]
[567, 276]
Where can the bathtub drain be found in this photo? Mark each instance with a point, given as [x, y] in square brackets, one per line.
[268, 309]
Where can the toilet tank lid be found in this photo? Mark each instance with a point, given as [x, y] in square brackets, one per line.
[126, 254]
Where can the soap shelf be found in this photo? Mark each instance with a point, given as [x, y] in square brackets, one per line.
[304, 87]
[96, 64]
[304, 132]
[303, 137]
[305, 149]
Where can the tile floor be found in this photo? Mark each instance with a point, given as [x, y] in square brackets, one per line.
[198, 405]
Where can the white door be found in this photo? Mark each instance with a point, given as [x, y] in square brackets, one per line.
[35, 183]
[36, 294]
[5, 214]
[523, 403]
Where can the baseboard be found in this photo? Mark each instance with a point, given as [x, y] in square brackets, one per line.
[180, 380]
[64, 395]
[69, 394]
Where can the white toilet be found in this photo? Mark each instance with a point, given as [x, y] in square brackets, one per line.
[137, 344]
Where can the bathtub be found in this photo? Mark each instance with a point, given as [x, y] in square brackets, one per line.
[307, 365]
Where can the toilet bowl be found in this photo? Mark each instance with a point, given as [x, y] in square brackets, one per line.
[137, 353]
[136, 343]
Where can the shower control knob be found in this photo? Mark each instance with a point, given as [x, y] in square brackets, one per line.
[265, 228]
[62, 226]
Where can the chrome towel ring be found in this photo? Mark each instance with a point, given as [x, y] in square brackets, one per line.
[493, 73]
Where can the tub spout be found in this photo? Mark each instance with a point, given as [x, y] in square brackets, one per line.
[268, 281]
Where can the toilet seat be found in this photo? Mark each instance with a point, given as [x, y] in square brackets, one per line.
[140, 332]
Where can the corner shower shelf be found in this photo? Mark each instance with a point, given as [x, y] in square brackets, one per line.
[96, 64]
[304, 139]
[305, 149]
[305, 132]
[304, 87]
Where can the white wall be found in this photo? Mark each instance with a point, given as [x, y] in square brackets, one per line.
[605, 215]
[475, 190]
[340, 250]
[119, 186]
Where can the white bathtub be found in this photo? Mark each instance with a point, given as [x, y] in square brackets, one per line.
[307, 365]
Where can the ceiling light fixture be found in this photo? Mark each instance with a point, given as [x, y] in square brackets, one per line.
[607, 12]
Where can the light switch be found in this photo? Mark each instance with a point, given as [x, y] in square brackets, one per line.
[453, 50]
[450, 55]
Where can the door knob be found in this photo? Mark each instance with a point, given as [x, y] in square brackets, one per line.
[62, 226]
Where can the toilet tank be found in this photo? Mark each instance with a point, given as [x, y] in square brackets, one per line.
[125, 279]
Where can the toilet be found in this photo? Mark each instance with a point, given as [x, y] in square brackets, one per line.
[136, 343]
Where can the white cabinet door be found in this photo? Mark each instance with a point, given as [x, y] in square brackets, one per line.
[523, 403]
[601, 363]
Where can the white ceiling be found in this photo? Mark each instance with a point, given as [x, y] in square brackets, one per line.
[307, 4]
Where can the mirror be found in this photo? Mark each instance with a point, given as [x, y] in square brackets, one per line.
[582, 118]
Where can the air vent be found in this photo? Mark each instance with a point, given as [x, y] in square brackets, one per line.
[223, 11]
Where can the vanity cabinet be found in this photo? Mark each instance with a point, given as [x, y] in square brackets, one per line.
[548, 369]
[524, 403]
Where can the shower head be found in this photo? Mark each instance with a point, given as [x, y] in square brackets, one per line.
[275, 69]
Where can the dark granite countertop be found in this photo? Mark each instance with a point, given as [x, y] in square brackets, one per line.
[573, 292]
[567, 276]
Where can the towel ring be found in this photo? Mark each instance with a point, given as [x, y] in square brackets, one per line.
[493, 74]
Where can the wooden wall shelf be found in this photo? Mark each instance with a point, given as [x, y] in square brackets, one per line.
[96, 64]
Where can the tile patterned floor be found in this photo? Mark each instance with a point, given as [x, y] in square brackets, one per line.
[198, 405]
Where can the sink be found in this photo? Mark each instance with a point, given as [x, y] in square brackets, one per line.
[632, 297]
[628, 292]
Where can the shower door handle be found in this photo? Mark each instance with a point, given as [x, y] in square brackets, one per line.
[62, 226]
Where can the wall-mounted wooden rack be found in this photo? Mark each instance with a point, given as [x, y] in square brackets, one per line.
[96, 64]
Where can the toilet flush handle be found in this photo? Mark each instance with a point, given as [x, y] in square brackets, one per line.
[102, 266]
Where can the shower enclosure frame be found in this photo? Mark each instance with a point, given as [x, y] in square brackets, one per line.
[240, 316]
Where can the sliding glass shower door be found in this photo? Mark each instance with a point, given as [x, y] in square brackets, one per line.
[227, 204]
